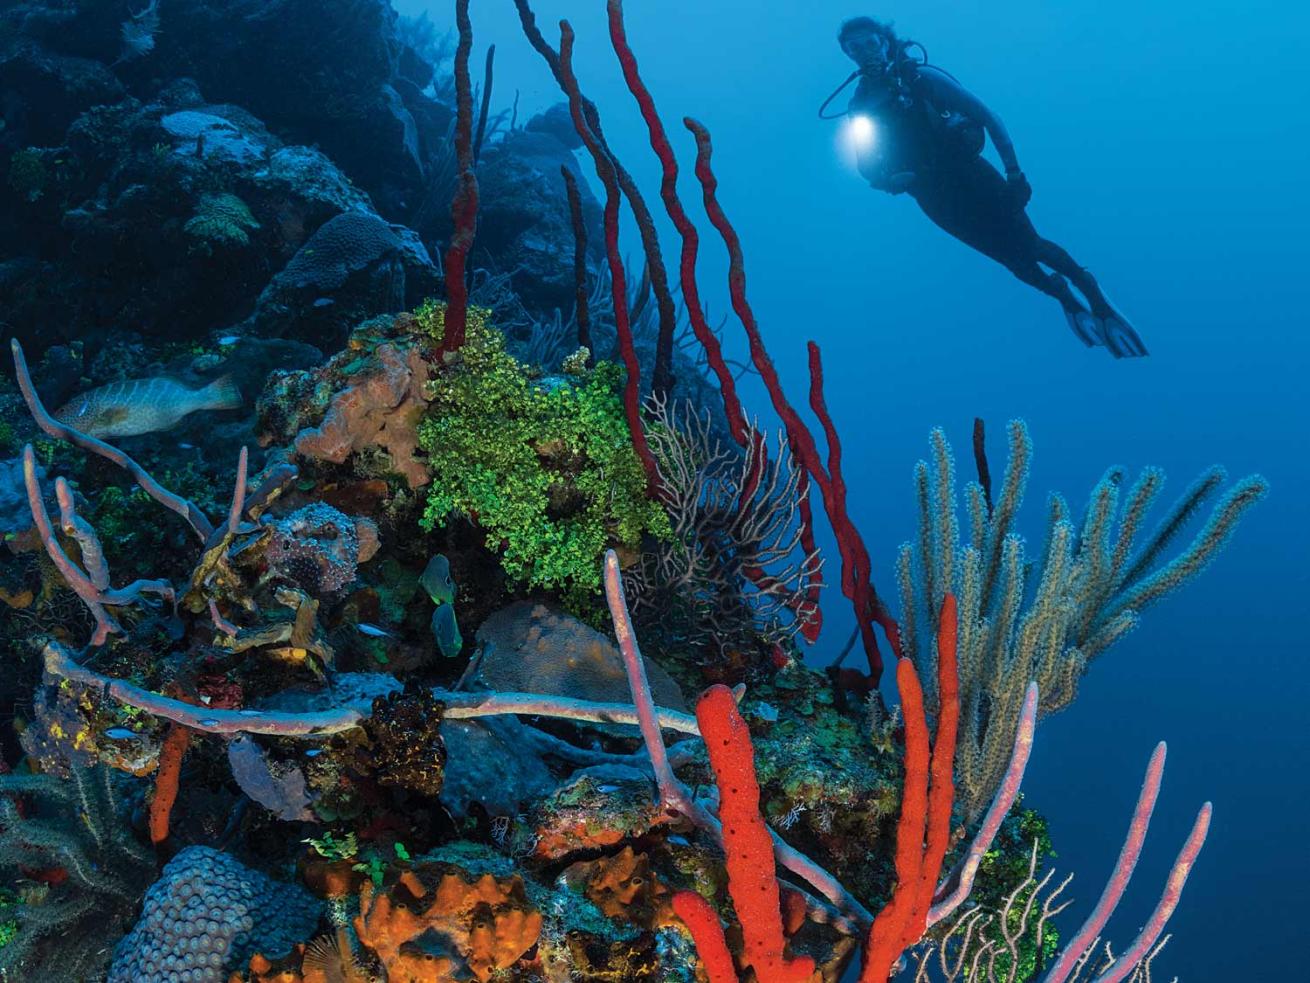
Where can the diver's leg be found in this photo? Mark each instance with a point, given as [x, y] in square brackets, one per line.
[1081, 321]
[967, 200]
[1121, 338]
[970, 202]
[1057, 258]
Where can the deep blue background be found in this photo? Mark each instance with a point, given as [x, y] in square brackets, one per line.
[1168, 149]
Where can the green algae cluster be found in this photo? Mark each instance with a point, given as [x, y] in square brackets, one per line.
[544, 466]
[136, 547]
[8, 916]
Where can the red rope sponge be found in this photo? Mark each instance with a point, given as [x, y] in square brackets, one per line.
[703, 922]
[924, 828]
[752, 877]
[171, 753]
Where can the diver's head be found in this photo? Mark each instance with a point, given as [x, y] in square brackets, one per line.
[869, 43]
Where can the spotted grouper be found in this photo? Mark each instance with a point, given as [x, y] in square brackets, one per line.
[137, 406]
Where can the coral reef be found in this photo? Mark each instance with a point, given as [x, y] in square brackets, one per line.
[358, 675]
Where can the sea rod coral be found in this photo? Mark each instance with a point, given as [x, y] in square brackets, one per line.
[1088, 589]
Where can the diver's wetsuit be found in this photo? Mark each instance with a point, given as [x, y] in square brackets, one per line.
[929, 125]
[954, 185]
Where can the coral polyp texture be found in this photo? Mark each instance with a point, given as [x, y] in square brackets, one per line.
[477, 642]
[205, 916]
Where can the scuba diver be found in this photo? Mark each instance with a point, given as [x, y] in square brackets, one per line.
[920, 132]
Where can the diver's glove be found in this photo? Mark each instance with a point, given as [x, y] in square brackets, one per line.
[1021, 192]
[897, 183]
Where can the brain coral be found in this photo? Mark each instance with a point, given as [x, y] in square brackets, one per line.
[346, 244]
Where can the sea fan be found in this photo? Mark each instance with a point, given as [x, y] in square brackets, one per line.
[139, 32]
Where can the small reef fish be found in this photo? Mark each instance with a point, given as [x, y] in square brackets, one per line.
[372, 631]
[137, 406]
[121, 734]
[437, 581]
[446, 631]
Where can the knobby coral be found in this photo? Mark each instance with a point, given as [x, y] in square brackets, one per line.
[920, 899]
[206, 915]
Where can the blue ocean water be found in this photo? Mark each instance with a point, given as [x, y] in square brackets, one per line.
[1167, 150]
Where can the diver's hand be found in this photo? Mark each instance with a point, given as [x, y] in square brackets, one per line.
[1020, 191]
[899, 183]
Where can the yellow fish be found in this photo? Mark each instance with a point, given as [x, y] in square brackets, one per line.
[137, 406]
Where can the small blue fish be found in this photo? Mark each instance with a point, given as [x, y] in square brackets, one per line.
[372, 631]
[313, 752]
[121, 734]
[209, 723]
[229, 339]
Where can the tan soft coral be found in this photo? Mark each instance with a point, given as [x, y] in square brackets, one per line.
[453, 930]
